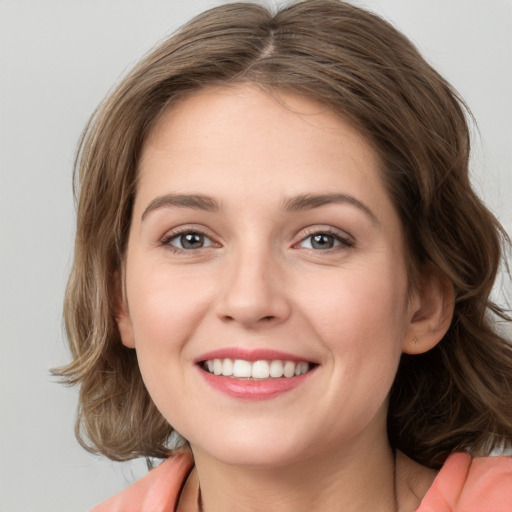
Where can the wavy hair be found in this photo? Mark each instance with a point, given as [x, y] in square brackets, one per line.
[457, 396]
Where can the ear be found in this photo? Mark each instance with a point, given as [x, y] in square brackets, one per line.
[122, 314]
[431, 312]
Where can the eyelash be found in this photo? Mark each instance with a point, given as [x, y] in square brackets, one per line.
[166, 241]
[345, 242]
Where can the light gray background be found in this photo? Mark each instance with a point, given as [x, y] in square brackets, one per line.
[58, 59]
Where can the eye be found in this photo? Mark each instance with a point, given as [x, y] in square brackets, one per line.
[188, 241]
[324, 240]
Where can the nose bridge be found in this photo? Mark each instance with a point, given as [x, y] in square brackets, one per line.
[253, 291]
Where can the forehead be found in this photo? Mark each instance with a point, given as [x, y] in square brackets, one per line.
[224, 139]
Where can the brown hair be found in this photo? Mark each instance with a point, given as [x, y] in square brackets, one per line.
[456, 396]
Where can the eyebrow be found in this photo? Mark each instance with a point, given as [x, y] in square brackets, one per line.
[310, 201]
[195, 201]
[293, 204]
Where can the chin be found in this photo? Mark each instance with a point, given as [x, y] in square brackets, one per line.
[250, 447]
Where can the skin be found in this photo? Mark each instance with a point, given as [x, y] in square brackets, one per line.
[258, 282]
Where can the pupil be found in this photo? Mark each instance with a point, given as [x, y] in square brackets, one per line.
[322, 242]
[192, 241]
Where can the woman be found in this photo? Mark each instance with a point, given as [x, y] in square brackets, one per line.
[280, 257]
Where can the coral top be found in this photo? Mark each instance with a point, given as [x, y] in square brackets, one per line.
[483, 484]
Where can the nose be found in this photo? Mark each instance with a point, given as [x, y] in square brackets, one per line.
[253, 293]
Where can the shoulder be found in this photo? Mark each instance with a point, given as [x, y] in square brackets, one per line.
[466, 484]
[158, 491]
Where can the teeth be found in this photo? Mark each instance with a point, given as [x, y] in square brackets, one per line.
[289, 369]
[260, 370]
[217, 366]
[301, 368]
[276, 369]
[240, 368]
[227, 367]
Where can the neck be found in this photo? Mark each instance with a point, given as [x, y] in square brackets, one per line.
[350, 480]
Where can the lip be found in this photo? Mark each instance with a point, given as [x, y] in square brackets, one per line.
[246, 389]
[252, 355]
[253, 389]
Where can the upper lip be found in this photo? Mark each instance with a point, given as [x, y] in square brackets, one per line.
[258, 354]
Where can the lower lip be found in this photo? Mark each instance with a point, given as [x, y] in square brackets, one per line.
[253, 389]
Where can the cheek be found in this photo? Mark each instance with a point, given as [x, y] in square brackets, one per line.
[166, 309]
[357, 304]
[363, 325]
[165, 305]
[361, 320]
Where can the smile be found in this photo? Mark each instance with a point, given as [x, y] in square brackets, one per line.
[261, 369]
[254, 374]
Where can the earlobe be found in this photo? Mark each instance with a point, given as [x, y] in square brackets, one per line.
[122, 317]
[431, 314]
[124, 325]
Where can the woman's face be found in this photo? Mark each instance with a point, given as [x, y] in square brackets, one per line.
[263, 242]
